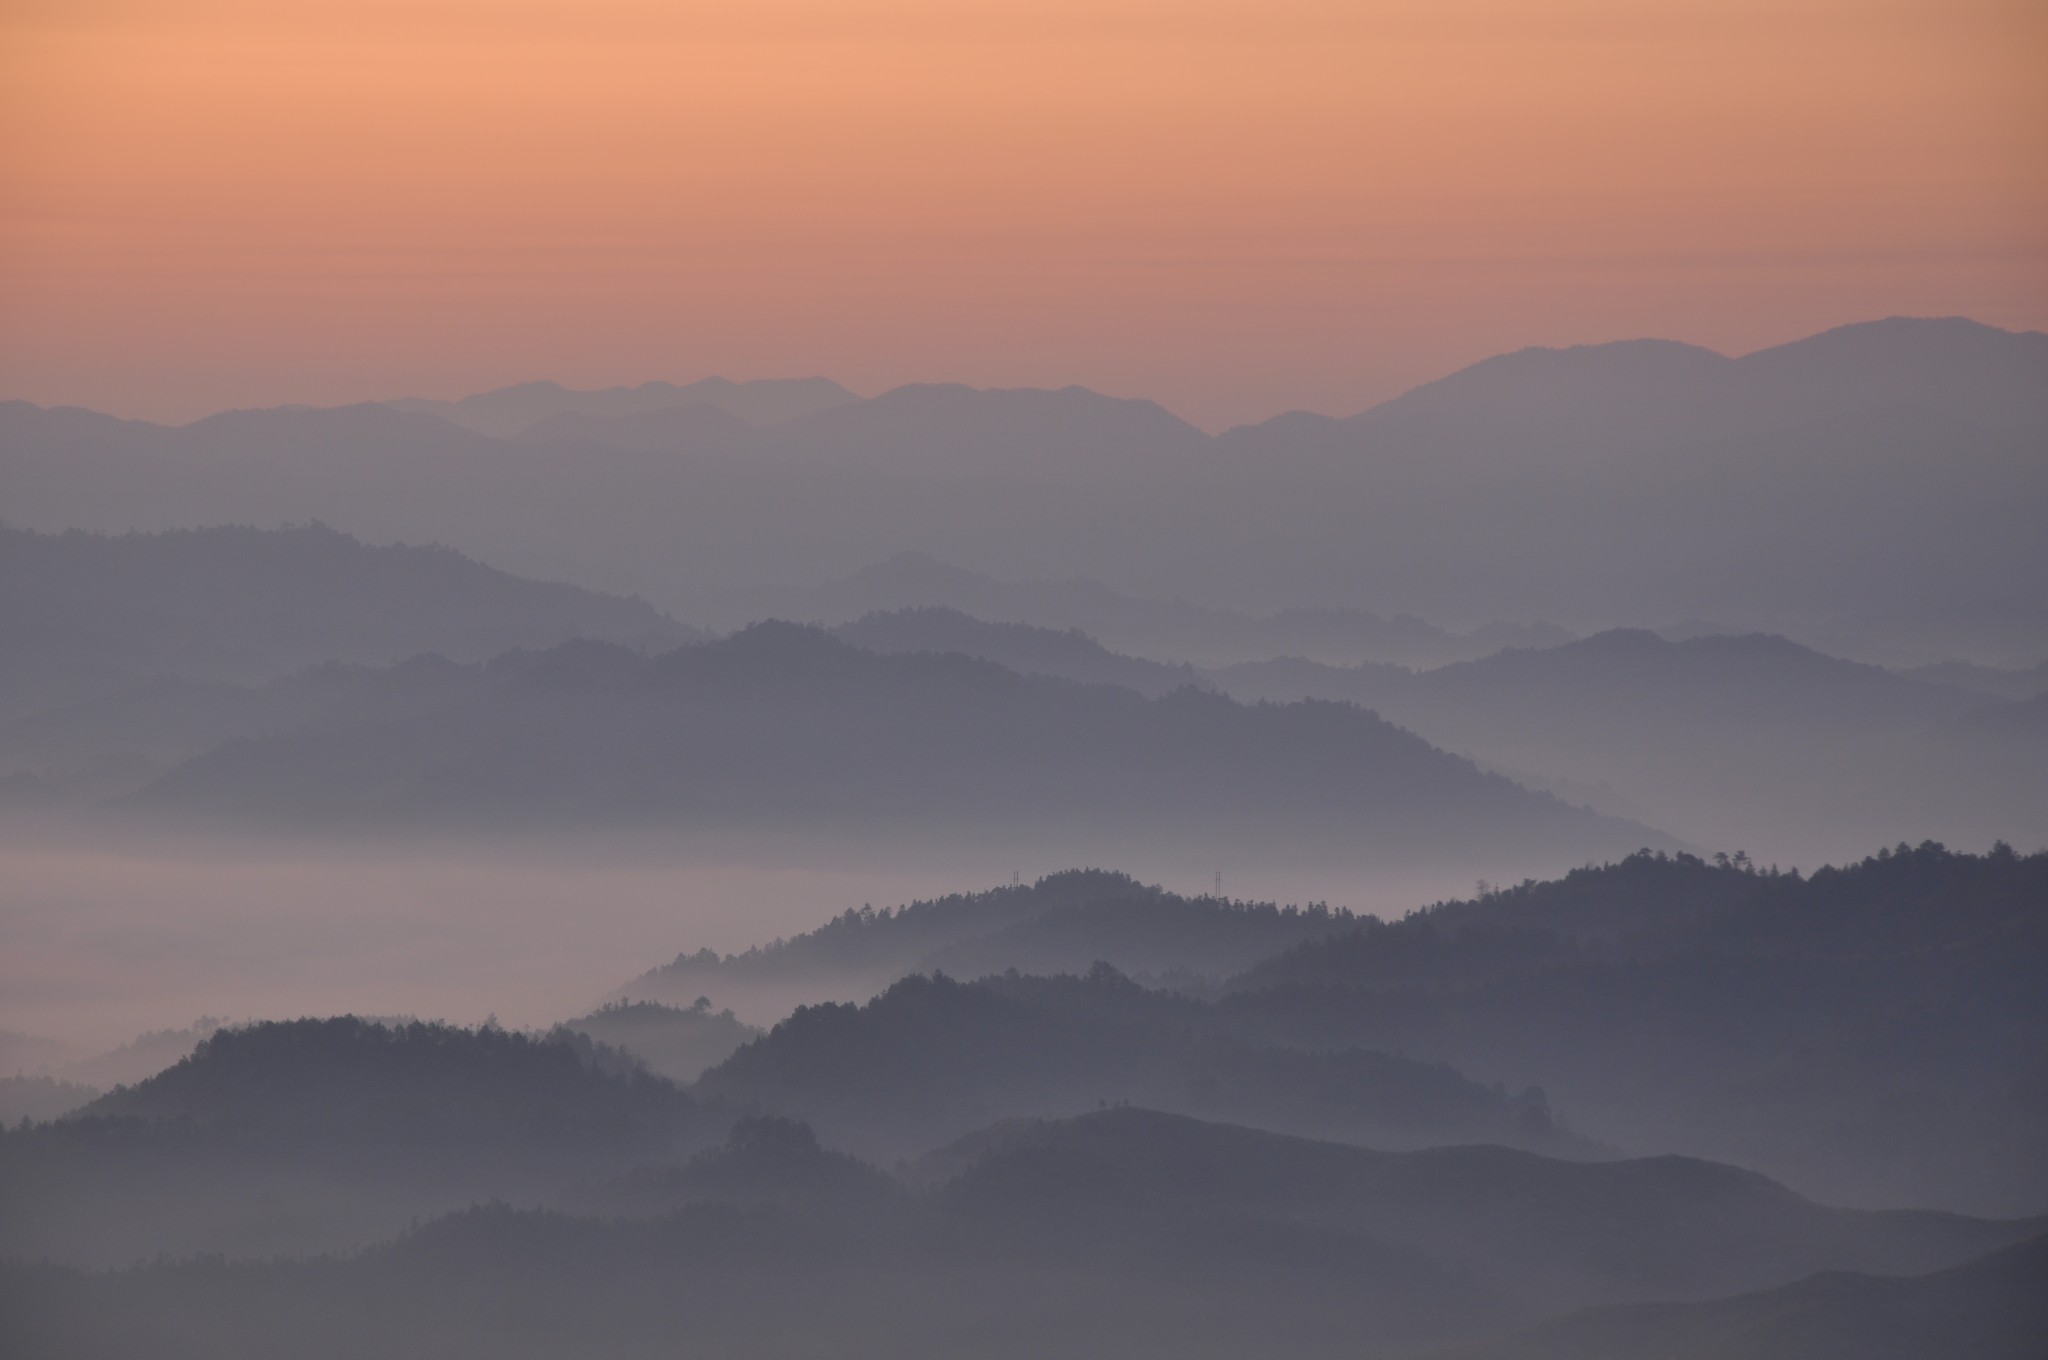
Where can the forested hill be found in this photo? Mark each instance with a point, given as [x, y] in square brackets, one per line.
[1870, 1033]
[931, 1059]
[347, 1080]
[317, 1134]
[1906, 903]
[1063, 923]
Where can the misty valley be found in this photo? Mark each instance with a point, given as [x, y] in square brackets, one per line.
[1551, 867]
[1237, 1128]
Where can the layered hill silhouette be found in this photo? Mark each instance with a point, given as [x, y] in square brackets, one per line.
[931, 1059]
[677, 1042]
[41, 1097]
[310, 1134]
[1063, 923]
[1999, 682]
[783, 726]
[1173, 631]
[1867, 1033]
[1019, 435]
[1066, 654]
[519, 409]
[1990, 1307]
[767, 1160]
[85, 615]
[1727, 738]
[348, 1081]
[1533, 1229]
[1900, 460]
[1616, 685]
[1087, 1235]
[143, 1056]
[1103, 1164]
[1733, 740]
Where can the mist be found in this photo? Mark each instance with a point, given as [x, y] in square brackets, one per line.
[909, 680]
[108, 937]
[870, 908]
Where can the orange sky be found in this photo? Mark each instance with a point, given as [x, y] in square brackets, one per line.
[1233, 207]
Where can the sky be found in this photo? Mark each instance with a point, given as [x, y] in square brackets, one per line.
[1234, 207]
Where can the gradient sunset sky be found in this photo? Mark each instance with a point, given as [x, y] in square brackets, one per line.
[1232, 207]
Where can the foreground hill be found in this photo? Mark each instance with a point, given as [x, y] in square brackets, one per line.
[1872, 1034]
[1533, 1229]
[781, 726]
[1990, 1309]
[85, 614]
[1063, 923]
[311, 1134]
[1112, 1234]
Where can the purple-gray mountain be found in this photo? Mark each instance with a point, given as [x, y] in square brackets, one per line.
[1874, 489]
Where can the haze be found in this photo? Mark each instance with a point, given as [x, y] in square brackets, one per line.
[883, 678]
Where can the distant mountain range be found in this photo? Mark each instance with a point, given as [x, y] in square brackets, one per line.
[1068, 654]
[1871, 490]
[616, 411]
[915, 589]
[1733, 741]
[131, 654]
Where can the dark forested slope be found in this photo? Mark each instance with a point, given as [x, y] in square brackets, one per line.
[931, 1058]
[1063, 923]
[1872, 1033]
[309, 1134]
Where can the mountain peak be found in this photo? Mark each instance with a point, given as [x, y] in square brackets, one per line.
[1551, 382]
